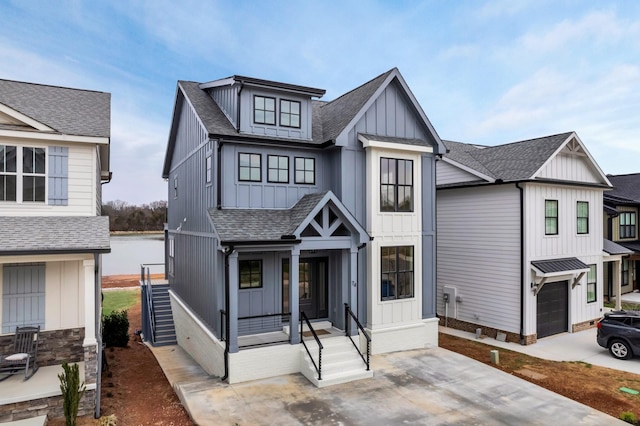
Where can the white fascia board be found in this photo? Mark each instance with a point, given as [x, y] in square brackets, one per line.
[595, 165]
[56, 137]
[371, 143]
[25, 119]
[468, 169]
[218, 83]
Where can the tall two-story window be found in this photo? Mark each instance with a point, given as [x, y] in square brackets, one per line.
[396, 185]
[625, 271]
[278, 168]
[628, 225]
[305, 172]
[396, 267]
[8, 173]
[22, 174]
[583, 217]
[551, 217]
[289, 113]
[249, 167]
[264, 110]
[250, 273]
[591, 284]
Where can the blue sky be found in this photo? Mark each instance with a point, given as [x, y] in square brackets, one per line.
[484, 72]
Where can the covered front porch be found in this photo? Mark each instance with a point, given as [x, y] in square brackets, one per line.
[288, 273]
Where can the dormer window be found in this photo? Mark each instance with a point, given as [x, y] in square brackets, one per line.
[264, 110]
[289, 113]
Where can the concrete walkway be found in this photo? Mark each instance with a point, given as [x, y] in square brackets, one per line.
[427, 387]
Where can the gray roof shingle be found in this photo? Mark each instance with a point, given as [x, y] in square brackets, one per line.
[626, 186]
[250, 224]
[510, 162]
[67, 111]
[38, 234]
[614, 248]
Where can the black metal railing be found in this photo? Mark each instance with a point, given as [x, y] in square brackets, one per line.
[256, 324]
[318, 366]
[349, 313]
[147, 290]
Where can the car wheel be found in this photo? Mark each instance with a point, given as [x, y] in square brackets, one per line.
[620, 349]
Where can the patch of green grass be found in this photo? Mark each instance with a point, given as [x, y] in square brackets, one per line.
[625, 306]
[119, 300]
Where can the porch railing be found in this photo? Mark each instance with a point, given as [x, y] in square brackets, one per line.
[256, 324]
[145, 282]
[318, 366]
[349, 313]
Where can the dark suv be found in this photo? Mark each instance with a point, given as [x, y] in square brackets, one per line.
[619, 331]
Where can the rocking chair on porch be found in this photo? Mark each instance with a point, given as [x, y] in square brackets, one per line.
[23, 357]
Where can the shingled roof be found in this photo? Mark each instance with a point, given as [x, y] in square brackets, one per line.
[510, 162]
[625, 186]
[65, 110]
[54, 234]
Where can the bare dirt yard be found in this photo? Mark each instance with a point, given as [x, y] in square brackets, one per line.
[135, 390]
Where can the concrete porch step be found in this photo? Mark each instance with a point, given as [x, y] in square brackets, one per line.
[341, 362]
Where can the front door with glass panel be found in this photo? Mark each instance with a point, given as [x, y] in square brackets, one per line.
[312, 286]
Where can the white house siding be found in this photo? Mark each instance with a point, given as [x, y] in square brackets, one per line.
[64, 288]
[394, 324]
[478, 253]
[585, 247]
[447, 174]
[82, 162]
[570, 168]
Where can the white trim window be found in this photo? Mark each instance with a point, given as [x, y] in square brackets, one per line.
[23, 174]
[591, 284]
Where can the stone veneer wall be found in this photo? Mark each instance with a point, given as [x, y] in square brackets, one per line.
[54, 346]
[487, 331]
[584, 325]
[52, 407]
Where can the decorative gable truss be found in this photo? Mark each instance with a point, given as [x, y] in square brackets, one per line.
[326, 224]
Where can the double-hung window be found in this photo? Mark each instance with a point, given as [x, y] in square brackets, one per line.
[278, 168]
[305, 172]
[264, 110]
[625, 271]
[249, 167]
[8, 172]
[250, 273]
[396, 267]
[627, 225]
[591, 284]
[289, 113]
[396, 185]
[551, 217]
[582, 217]
[23, 174]
[208, 169]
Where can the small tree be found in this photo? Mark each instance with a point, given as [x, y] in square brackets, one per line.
[72, 391]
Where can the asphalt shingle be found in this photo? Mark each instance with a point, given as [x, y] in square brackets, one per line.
[67, 111]
[21, 234]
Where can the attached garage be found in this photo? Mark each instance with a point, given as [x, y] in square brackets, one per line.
[553, 309]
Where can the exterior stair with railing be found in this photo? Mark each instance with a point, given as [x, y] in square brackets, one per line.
[341, 362]
[164, 330]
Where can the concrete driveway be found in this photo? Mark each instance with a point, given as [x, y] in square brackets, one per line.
[428, 387]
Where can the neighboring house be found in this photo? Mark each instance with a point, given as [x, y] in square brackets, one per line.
[520, 242]
[54, 158]
[280, 204]
[622, 206]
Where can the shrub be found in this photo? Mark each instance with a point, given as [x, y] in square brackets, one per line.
[72, 392]
[115, 329]
[629, 417]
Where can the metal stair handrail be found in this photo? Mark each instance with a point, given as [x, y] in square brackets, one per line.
[145, 280]
[349, 313]
[318, 367]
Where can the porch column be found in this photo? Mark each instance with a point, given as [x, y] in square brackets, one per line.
[232, 314]
[617, 281]
[353, 288]
[294, 296]
[89, 303]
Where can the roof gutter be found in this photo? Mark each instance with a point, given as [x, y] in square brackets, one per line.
[52, 251]
[522, 269]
